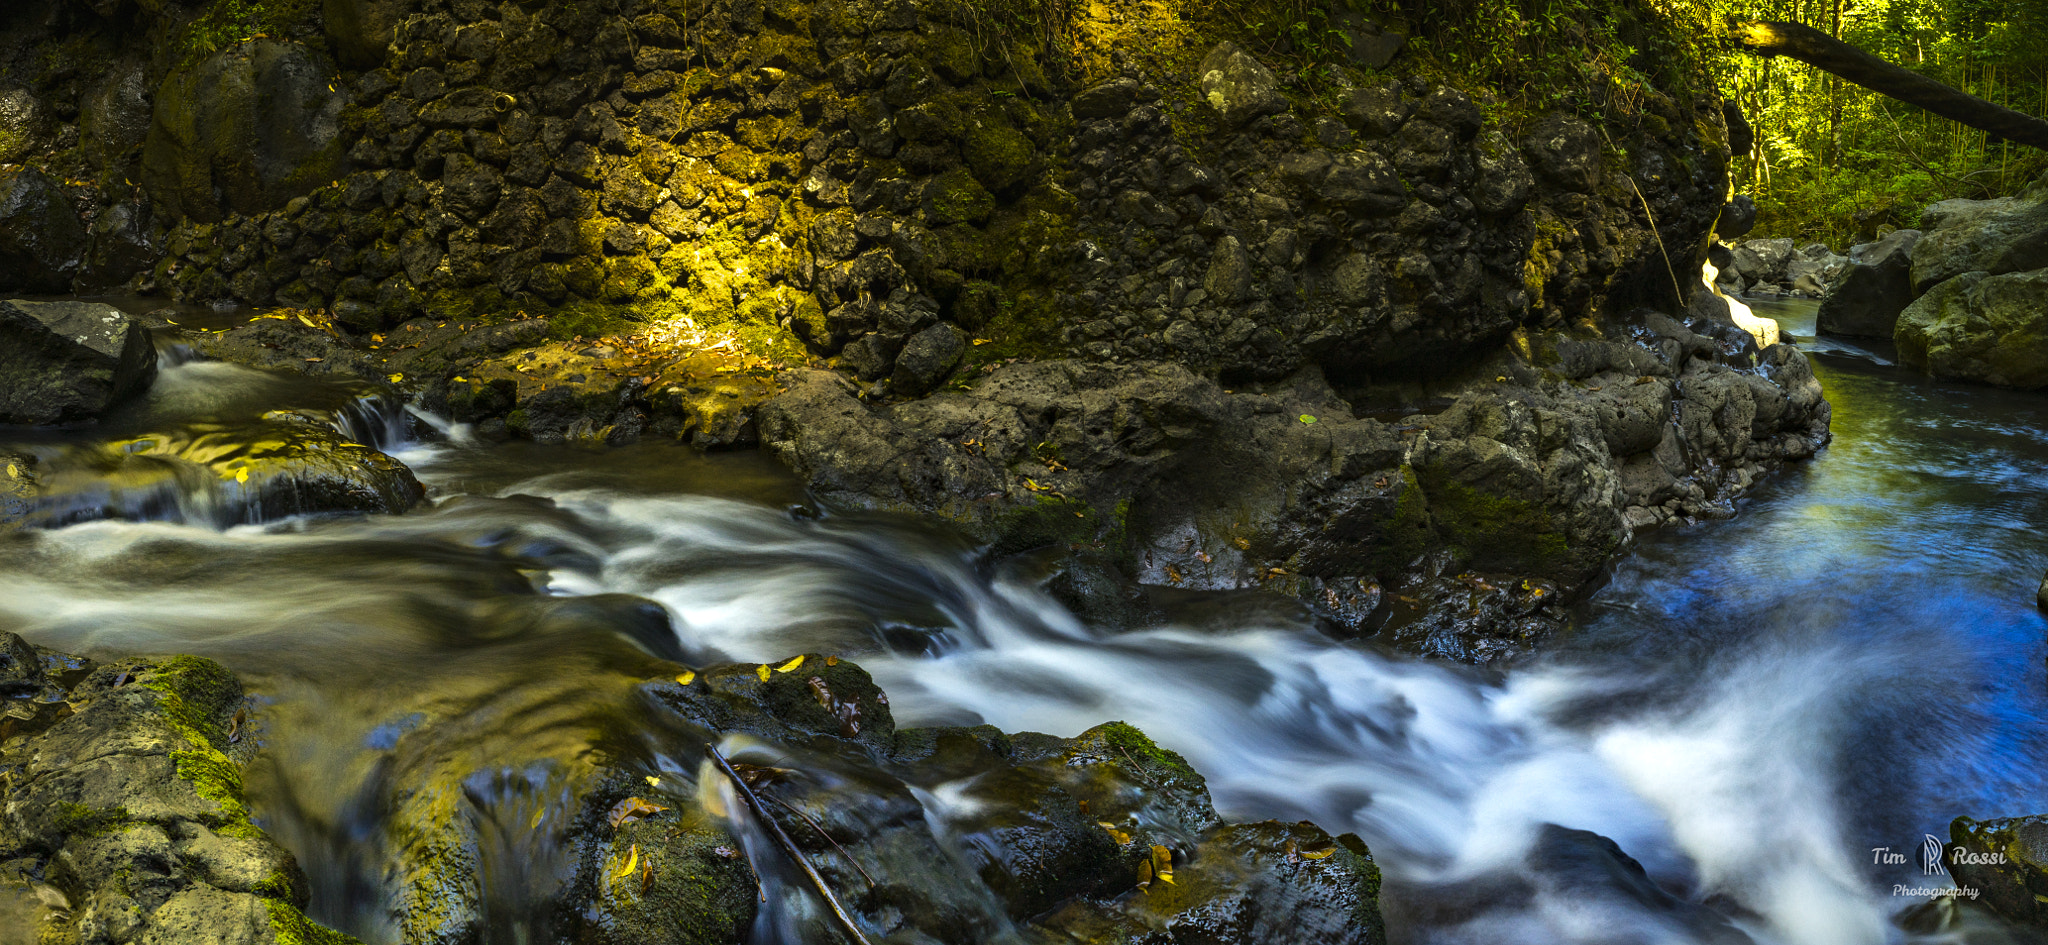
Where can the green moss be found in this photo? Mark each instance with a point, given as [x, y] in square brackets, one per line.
[1497, 532]
[1134, 747]
[78, 819]
[216, 779]
[996, 151]
[1405, 535]
[956, 197]
[196, 696]
[1058, 521]
[291, 927]
[226, 23]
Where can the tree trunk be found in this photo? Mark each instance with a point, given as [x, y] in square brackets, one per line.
[1823, 52]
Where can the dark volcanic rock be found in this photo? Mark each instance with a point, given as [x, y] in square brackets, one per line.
[1287, 489]
[63, 362]
[1871, 293]
[42, 242]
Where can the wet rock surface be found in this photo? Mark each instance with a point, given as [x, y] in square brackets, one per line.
[1452, 528]
[67, 362]
[124, 816]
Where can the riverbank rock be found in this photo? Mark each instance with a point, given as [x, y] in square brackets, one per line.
[1866, 300]
[124, 817]
[42, 241]
[1980, 327]
[1515, 489]
[2006, 858]
[67, 362]
[2009, 234]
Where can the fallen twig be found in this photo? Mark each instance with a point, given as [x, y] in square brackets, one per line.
[788, 846]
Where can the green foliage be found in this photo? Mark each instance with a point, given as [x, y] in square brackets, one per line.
[1839, 164]
[226, 23]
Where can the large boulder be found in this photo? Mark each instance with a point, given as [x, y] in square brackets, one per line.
[1238, 86]
[2009, 234]
[244, 131]
[1878, 284]
[42, 242]
[1980, 327]
[63, 362]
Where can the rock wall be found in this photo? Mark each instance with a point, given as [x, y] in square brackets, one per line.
[856, 173]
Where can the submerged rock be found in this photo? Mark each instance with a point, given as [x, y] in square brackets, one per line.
[124, 817]
[65, 362]
[226, 475]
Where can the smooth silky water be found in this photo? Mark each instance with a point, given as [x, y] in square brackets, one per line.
[1747, 707]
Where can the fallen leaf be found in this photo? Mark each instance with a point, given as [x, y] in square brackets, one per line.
[762, 671]
[686, 677]
[315, 360]
[632, 809]
[1119, 836]
[792, 664]
[1162, 863]
[1305, 418]
[831, 661]
[632, 863]
[1319, 854]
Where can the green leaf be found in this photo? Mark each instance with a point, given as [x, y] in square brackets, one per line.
[1305, 418]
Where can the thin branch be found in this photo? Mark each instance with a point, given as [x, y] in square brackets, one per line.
[788, 846]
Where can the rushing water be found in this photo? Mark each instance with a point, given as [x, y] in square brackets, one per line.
[1748, 707]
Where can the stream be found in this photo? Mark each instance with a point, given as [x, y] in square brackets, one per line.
[1750, 708]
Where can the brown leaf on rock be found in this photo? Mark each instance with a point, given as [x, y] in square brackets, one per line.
[632, 809]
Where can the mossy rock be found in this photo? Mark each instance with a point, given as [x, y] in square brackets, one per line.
[1000, 155]
[957, 197]
[244, 131]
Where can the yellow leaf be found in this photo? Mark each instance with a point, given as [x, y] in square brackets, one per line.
[13, 471]
[831, 661]
[983, 341]
[686, 677]
[1119, 836]
[792, 664]
[632, 863]
[1319, 854]
[242, 475]
[395, 378]
[762, 671]
[653, 781]
[1162, 863]
[458, 379]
